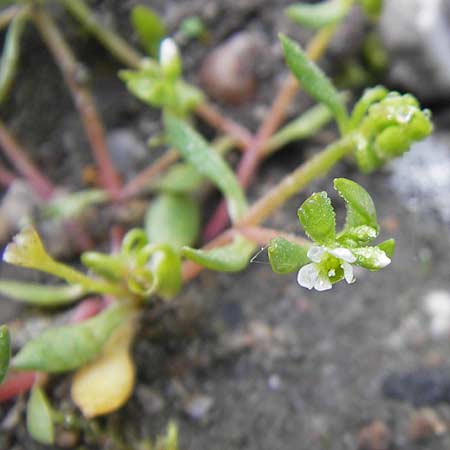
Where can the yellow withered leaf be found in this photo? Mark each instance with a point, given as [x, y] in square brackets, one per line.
[105, 384]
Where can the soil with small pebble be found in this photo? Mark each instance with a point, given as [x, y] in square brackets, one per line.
[251, 360]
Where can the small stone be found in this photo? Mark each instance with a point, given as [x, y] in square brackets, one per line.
[437, 306]
[127, 151]
[67, 439]
[375, 436]
[420, 387]
[150, 400]
[425, 424]
[198, 406]
[229, 72]
[274, 382]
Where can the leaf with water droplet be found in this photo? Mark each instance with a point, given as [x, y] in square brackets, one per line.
[318, 218]
[286, 257]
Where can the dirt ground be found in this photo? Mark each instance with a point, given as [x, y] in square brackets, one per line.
[252, 361]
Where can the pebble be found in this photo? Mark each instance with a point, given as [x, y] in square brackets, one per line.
[425, 424]
[437, 306]
[375, 436]
[420, 387]
[228, 73]
[198, 406]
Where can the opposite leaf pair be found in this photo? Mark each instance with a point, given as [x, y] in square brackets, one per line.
[333, 254]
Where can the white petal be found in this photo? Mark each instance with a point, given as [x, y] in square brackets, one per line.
[348, 272]
[382, 260]
[307, 276]
[323, 283]
[168, 51]
[315, 253]
[343, 253]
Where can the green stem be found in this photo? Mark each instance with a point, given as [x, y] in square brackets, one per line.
[111, 40]
[297, 180]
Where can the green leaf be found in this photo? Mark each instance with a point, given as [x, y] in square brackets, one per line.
[360, 206]
[388, 247]
[193, 28]
[209, 163]
[318, 218]
[165, 264]
[111, 267]
[181, 178]
[5, 351]
[72, 205]
[10, 56]
[369, 97]
[357, 236]
[320, 14]
[229, 258]
[286, 256]
[173, 219]
[39, 418]
[373, 8]
[313, 80]
[149, 27]
[41, 295]
[372, 258]
[65, 348]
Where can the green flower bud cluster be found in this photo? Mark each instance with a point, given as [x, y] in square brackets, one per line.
[159, 83]
[388, 128]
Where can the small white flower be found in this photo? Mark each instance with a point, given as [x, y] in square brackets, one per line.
[312, 276]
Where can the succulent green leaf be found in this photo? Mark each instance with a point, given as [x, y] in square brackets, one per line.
[372, 8]
[360, 206]
[313, 80]
[357, 236]
[193, 28]
[5, 351]
[111, 267]
[10, 57]
[286, 256]
[371, 258]
[73, 205]
[209, 163]
[229, 258]
[181, 178]
[65, 348]
[133, 241]
[369, 97]
[149, 27]
[165, 264]
[388, 247]
[318, 218]
[41, 295]
[173, 219]
[318, 15]
[39, 418]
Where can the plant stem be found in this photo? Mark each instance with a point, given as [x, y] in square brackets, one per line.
[110, 39]
[141, 181]
[6, 177]
[82, 97]
[315, 167]
[18, 157]
[251, 159]
[262, 235]
[7, 15]
[278, 195]
[215, 118]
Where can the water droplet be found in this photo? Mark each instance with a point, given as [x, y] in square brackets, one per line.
[405, 115]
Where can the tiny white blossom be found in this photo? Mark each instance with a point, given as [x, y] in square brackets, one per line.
[311, 276]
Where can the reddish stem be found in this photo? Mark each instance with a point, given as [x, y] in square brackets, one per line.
[15, 384]
[253, 153]
[215, 118]
[19, 158]
[6, 177]
[86, 309]
[138, 183]
[83, 99]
